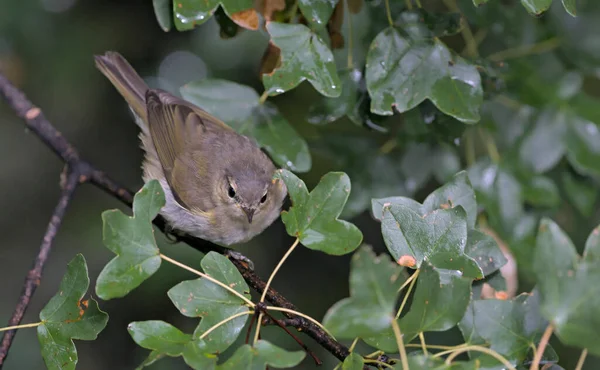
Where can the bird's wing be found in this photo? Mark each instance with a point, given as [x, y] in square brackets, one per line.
[175, 125]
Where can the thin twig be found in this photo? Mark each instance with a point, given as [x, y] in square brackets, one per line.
[535, 364]
[581, 360]
[34, 276]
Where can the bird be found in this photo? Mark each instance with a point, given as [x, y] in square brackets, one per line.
[218, 184]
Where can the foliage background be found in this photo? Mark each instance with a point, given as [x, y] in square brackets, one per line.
[46, 47]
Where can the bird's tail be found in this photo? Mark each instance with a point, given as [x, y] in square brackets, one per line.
[127, 81]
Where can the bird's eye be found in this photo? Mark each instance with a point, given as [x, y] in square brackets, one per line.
[264, 198]
[231, 192]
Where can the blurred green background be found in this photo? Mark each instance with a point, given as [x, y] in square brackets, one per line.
[47, 48]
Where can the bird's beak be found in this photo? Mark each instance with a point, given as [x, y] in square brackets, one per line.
[249, 213]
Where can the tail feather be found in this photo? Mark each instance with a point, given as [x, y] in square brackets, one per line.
[127, 81]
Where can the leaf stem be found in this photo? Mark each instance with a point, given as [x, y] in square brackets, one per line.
[350, 56]
[410, 288]
[353, 344]
[408, 4]
[525, 50]
[264, 294]
[214, 327]
[490, 145]
[400, 342]
[485, 350]
[435, 346]
[263, 97]
[419, 4]
[535, 364]
[281, 309]
[388, 11]
[408, 281]
[581, 359]
[423, 345]
[22, 326]
[374, 354]
[209, 278]
[380, 363]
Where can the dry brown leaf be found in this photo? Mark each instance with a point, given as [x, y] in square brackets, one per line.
[270, 60]
[269, 7]
[508, 272]
[246, 18]
[334, 26]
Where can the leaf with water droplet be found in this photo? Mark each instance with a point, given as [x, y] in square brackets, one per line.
[304, 56]
[239, 107]
[374, 284]
[162, 11]
[569, 299]
[404, 69]
[131, 238]
[317, 13]
[188, 14]
[67, 316]
[536, 7]
[313, 217]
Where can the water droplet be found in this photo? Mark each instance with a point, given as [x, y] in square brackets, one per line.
[279, 91]
[591, 129]
[289, 164]
[382, 63]
[457, 141]
[333, 87]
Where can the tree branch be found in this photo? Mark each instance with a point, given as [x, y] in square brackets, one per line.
[79, 171]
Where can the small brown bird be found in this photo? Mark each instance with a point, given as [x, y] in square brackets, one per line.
[218, 184]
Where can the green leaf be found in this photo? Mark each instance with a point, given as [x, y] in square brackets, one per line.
[485, 251]
[162, 11]
[353, 362]
[197, 355]
[205, 299]
[510, 327]
[261, 355]
[159, 336]
[239, 107]
[328, 110]
[570, 299]
[152, 358]
[304, 56]
[570, 7]
[191, 13]
[317, 12]
[406, 66]
[583, 147]
[440, 301]
[435, 363]
[581, 193]
[544, 146]
[541, 191]
[457, 192]
[66, 317]
[132, 240]
[313, 217]
[374, 284]
[536, 7]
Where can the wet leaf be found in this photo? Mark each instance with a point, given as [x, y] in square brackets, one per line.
[152, 358]
[261, 355]
[191, 13]
[67, 316]
[304, 56]
[485, 251]
[131, 238]
[568, 298]
[570, 6]
[509, 327]
[405, 67]
[239, 107]
[328, 110]
[162, 11]
[317, 12]
[439, 237]
[313, 217]
[544, 146]
[205, 299]
[370, 309]
[457, 192]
